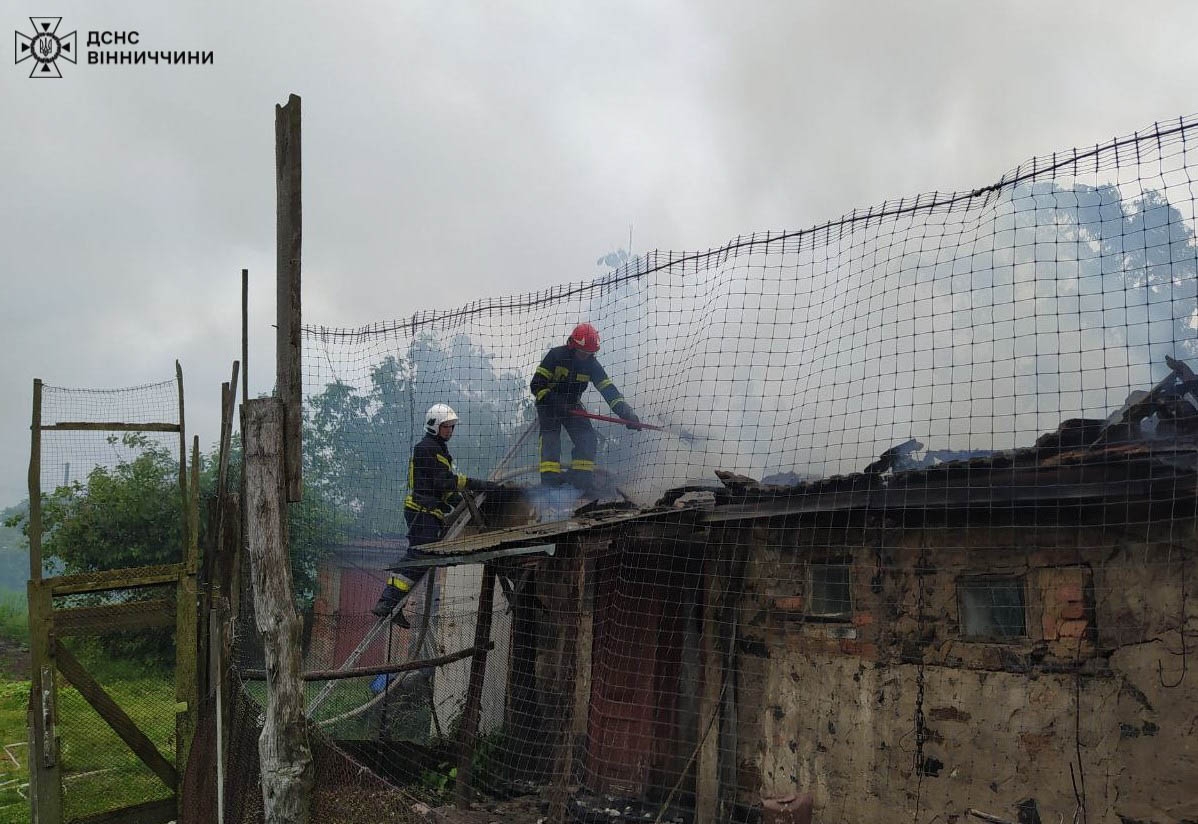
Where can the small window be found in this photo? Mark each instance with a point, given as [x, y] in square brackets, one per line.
[992, 607]
[831, 590]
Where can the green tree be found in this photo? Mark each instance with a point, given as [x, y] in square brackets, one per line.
[358, 440]
[130, 515]
[314, 526]
[123, 516]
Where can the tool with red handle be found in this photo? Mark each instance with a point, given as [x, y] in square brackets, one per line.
[582, 413]
[681, 434]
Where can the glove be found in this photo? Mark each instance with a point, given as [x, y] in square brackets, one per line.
[494, 486]
[632, 420]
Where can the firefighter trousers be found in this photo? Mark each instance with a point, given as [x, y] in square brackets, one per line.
[582, 456]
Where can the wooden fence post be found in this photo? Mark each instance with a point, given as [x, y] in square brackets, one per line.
[568, 615]
[288, 238]
[287, 771]
[468, 735]
[45, 778]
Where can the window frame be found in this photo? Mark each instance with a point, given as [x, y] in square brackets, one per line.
[847, 613]
[974, 579]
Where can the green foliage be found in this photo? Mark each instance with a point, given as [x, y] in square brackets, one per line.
[358, 440]
[124, 516]
[440, 781]
[313, 526]
[488, 762]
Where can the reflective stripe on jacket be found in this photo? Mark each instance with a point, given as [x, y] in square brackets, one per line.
[433, 481]
[565, 376]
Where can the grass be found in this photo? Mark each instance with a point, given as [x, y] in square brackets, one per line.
[99, 771]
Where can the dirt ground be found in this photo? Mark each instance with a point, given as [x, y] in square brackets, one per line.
[526, 810]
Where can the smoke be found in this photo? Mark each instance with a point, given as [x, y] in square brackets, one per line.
[553, 503]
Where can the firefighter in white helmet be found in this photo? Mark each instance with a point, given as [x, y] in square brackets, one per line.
[434, 487]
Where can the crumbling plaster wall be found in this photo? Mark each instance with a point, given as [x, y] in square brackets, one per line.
[828, 707]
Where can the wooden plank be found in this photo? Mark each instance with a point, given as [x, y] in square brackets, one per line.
[182, 463]
[149, 812]
[45, 771]
[114, 716]
[477, 516]
[228, 550]
[216, 666]
[468, 732]
[110, 426]
[287, 771]
[585, 644]
[381, 669]
[288, 238]
[159, 612]
[192, 551]
[707, 778]
[513, 555]
[35, 485]
[45, 777]
[564, 617]
[228, 405]
[127, 578]
[245, 334]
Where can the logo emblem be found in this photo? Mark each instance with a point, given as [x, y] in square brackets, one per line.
[45, 47]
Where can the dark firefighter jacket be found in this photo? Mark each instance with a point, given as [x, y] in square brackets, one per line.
[564, 377]
[433, 482]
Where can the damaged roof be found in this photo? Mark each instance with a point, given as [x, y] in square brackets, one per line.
[1146, 452]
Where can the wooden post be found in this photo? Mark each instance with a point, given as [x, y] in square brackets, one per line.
[567, 615]
[45, 771]
[35, 485]
[45, 777]
[582, 661]
[186, 511]
[187, 649]
[244, 334]
[707, 777]
[468, 734]
[216, 665]
[235, 561]
[287, 773]
[288, 237]
[230, 579]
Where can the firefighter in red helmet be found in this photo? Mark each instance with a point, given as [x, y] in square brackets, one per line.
[558, 385]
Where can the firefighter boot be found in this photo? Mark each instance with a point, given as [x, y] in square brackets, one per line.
[391, 600]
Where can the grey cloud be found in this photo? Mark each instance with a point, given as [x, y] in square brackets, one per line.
[456, 151]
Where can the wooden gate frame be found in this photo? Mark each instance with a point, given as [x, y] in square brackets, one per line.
[48, 626]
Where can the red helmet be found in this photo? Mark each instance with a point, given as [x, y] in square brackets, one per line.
[584, 337]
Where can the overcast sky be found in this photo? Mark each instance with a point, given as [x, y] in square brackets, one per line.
[458, 150]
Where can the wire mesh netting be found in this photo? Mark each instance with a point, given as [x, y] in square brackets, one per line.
[895, 518]
[111, 500]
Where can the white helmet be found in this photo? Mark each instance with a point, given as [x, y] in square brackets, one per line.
[438, 414]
